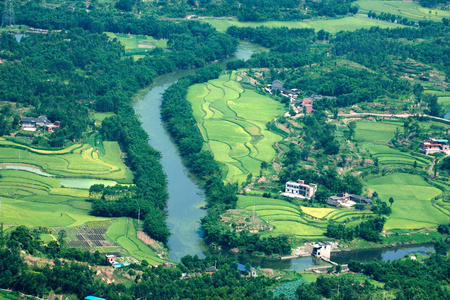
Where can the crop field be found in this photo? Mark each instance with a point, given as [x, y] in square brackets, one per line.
[287, 218]
[73, 161]
[123, 232]
[42, 210]
[391, 156]
[332, 25]
[412, 11]
[233, 123]
[377, 131]
[412, 207]
[317, 212]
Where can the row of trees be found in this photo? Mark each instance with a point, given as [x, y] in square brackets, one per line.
[368, 230]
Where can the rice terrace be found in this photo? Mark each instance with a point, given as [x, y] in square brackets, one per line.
[34, 192]
[233, 123]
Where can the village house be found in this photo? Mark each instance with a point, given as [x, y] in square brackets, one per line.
[348, 200]
[322, 249]
[110, 259]
[434, 146]
[299, 189]
[277, 87]
[31, 124]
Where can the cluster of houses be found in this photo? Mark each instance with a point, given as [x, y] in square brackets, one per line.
[435, 146]
[31, 124]
[303, 105]
[300, 189]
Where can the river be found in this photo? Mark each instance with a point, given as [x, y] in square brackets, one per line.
[185, 197]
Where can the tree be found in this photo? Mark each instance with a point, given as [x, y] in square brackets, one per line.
[391, 200]
[61, 235]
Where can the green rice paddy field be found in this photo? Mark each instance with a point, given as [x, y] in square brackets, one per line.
[287, 218]
[36, 200]
[374, 137]
[332, 25]
[412, 11]
[123, 231]
[412, 207]
[233, 123]
[78, 160]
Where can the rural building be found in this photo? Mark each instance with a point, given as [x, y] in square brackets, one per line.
[322, 249]
[277, 86]
[110, 259]
[211, 269]
[300, 189]
[434, 146]
[348, 200]
[31, 124]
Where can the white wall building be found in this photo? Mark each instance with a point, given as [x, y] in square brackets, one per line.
[299, 189]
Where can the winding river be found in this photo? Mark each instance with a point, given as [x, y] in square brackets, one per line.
[185, 197]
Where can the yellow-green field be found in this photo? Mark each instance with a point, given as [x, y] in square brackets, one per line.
[78, 160]
[34, 200]
[233, 122]
[412, 207]
[412, 11]
[332, 25]
[287, 218]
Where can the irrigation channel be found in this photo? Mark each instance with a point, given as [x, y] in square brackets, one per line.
[185, 196]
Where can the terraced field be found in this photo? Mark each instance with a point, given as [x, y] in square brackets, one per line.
[287, 218]
[412, 11]
[377, 131]
[374, 137]
[412, 208]
[78, 160]
[391, 156]
[233, 123]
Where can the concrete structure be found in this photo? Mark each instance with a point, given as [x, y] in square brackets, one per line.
[348, 200]
[300, 189]
[434, 146]
[322, 250]
[111, 259]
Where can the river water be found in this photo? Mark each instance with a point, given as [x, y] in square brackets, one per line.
[185, 197]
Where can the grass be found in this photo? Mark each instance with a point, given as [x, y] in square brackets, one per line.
[99, 117]
[332, 25]
[232, 121]
[137, 45]
[123, 231]
[412, 208]
[412, 11]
